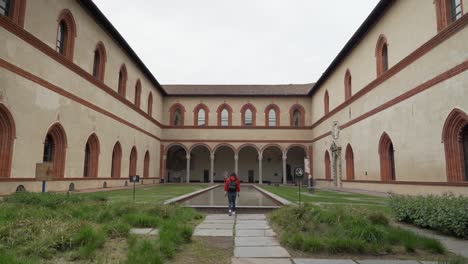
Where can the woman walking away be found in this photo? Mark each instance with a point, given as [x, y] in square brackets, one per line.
[232, 189]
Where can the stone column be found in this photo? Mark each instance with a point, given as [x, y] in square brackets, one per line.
[236, 164]
[260, 168]
[188, 168]
[285, 157]
[212, 157]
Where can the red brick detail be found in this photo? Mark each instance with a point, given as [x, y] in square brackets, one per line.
[138, 93]
[195, 114]
[69, 43]
[452, 135]
[150, 105]
[162, 164]
[93, 158]
[381, 58]
[348, 85]
[59, 138]
[254, 114]
[17, 11]
[326, 103]
[172, 110]
[7, 137]
[101, 68]
[116, 160]
[146, 165]
[327, 166]
[443, 13]
[349, 156]
[277, 111]
[220, 109]
[387, 163]
[122, 84]
[132, 168]
[301, 110]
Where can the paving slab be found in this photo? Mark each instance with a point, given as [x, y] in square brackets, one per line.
[255, 241]
[213, 232]
[261, 261]
[218, 221]
[144, 231]
[252, 226]
[219, 217]
[251, 222]
[215, 226]
[323, 261]
[251, 217]
[261, 252]
[385, 261]
[255, 233]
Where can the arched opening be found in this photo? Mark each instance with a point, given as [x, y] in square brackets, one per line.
[7, 136]
[116, 160]
[137, 93]
[381, 55]
[224, 115]
[272, 163]
[122, 85]
[297, 115]
[200, 164]
[20, 188]
[133, 162]
[91, 160]
[201, 119]
[176, 164]
[248, 164]
[387, 158]
[272, 115]
[326, 103]
[14, 10]
[224, 162]
[177, 113]
[349, 156]
[71, 187]
[99, 61]
[150, 104]
[347, 84]
[327, 165]
[248, 115]
[177, 118]
[55, 144]
[104, 185]
[295, 159]
[455, 138]
[66, 33]
[201, 115]
[146, 165]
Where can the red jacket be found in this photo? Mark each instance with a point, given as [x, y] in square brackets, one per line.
[228, 180]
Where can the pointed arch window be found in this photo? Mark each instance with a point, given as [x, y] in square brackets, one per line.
[55, 144]
[387, 158]
[99, 61]
[327, 166]
[455, 138]
[347, 84]
[381, 55]
[7, 136]
[137, 93]
[177, 118]
[224, 115]
[201, 115]
[91, 159]
[326, 103]
[66, 33]
[349, 156]
[248, 115]
[116, 160]
[146, 165]
[122, 85]
[177, 114]
[133, 162]
[201, 119]
[297, 117]
[272, 117]
[150, 104]
[448, 11]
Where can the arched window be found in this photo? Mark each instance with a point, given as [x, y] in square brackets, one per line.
[296, 114]
[381, 55]
[116, 160]
[327, 166]
[272, 117]
[326, 103]
[122, 85]
[455, 138]
[349, 156]
[248, 115]
[387, 158]
[347, 85]
[91, 160]
[137, 93]
[14, 10]
[177, 114]
[201, 115]
[448, 11]
[66, 33]
[150, 104]
[224, 115]
[99, 61]
[146, 165]
[133, 162]
[177, 118]
[55, 144]
[7, 136]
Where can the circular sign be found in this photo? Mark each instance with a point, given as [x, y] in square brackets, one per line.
[299, 172]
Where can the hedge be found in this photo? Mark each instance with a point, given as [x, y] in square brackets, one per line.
[446, 213]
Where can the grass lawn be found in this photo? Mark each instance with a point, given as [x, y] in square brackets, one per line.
[94, 227]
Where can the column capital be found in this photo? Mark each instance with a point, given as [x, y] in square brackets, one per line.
[236, 157]
[188, 156]
[285, 157]
[212, 156]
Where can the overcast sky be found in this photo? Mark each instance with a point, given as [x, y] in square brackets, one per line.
[236, 41]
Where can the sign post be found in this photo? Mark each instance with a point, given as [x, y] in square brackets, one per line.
[134, 179]
[44, 173]
[299, 173]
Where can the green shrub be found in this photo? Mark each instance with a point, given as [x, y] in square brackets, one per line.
[117, 229]
[144, 252]
[88, 240]
[446, 213]
[142, 220]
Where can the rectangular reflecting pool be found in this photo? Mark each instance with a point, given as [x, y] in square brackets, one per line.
[249, 197]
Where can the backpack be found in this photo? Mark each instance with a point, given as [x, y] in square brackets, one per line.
[232, 186]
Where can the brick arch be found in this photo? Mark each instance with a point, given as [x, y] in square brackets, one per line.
[327, 165]
[249, 145]
[91, 162]
[224, 145]
[220, 109]
[132, 169]
[297, 146]
[116, 160]
[146, 165]
[348, 85]
[172, 111]
[200, 145]
[273, 146]
[387, 158]
[138, 93]
[277, 111]
[349, 157]
[59, 146]
[150, 104]
[381, 55]
[301, 110]
[7, 137]
[453, 135]
[100, 65]
[122, 84]
[326, 103]
[67, 19]
[176, 144]
[254, 113]
[195, 114]
[17, 11]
